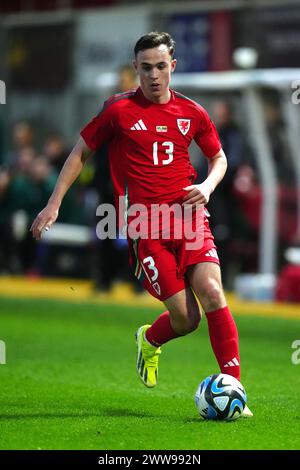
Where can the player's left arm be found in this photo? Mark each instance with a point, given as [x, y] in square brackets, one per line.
[198, 194]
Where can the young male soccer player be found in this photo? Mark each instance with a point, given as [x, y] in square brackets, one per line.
[149, 130]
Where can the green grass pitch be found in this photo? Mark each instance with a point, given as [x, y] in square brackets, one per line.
[70, 382]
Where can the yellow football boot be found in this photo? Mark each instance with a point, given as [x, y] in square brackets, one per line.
[147, 358]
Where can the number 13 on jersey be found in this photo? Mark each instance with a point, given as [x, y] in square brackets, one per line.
[168, 149]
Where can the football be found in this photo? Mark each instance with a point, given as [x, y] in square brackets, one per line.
[220, 397]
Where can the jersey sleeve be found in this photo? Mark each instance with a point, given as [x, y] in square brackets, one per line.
[100, 129]
[207, 137]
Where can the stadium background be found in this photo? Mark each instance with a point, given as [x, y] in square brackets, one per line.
[66, 299]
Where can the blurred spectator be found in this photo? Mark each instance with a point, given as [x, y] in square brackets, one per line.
[55, 150]
[287, 191]
[224, 221]
[6, 237]
[110, 260]
[247, 194]
[24, 159]
[288, 284]
[23, 191]
[278, 141]
[288, 281]
[42, 181]
[4, 181]
[127, 78]
[29, 192]
[22, 135]
[231, 136]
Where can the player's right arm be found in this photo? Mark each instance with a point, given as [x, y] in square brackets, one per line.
[70, 171]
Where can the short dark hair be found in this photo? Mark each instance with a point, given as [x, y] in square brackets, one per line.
[155, 39]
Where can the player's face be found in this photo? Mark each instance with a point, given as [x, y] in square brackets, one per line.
[154, 67]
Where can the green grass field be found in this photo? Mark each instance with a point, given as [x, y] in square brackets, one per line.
[70, 382]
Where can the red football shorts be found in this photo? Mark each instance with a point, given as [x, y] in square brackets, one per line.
[161, 264]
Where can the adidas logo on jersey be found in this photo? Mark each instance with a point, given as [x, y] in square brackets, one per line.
[233, 363]
[212, 253]
[139, 126]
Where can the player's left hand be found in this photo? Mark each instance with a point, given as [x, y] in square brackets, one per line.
[198, 194]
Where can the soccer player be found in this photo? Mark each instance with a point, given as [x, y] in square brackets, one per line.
[149, 130]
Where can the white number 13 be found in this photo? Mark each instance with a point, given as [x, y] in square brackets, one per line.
[151, 265]
[168, 150]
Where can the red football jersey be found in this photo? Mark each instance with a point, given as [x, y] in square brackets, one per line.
[148, 144]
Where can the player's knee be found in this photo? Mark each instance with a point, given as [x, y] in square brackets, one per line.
[212, 294]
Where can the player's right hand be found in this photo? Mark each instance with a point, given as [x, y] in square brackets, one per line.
[43, 221]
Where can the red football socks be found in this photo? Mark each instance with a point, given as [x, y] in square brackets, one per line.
[223, 337]
[161, 331]
[224, 340]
